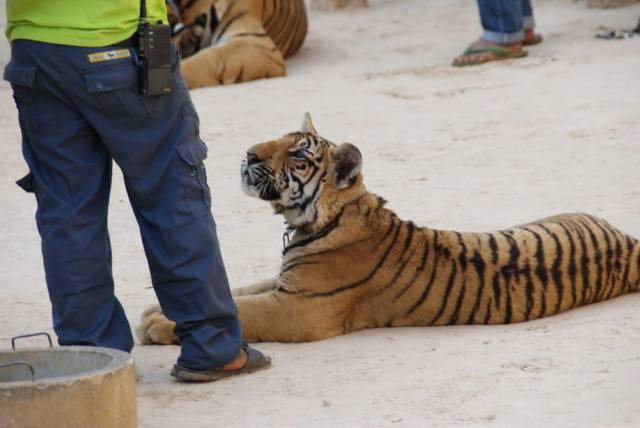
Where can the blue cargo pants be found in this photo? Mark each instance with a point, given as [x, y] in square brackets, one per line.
[79, 109]
[504, 21]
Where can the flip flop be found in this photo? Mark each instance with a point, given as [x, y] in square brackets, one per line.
[499, 53]
[255, 361]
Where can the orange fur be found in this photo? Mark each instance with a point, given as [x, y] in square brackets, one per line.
[353, 264]
[250, 40]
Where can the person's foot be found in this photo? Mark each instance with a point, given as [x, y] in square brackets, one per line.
[238, 362]
[531, 37]
[248, 360]
[483, 51]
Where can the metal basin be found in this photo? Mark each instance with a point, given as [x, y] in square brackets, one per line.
[74, 386]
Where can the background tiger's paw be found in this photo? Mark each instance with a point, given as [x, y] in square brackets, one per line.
[155, 328]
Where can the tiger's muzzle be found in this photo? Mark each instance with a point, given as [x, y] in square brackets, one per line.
[258, 178]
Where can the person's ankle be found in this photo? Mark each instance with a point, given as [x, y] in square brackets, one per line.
[506, 45]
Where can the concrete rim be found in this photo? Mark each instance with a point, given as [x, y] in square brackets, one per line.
[119, 360]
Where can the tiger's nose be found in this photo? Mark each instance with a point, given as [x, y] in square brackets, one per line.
[252, 158]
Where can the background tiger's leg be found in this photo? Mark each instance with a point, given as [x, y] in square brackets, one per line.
[240, 59]
[283, 317]
[260, 287]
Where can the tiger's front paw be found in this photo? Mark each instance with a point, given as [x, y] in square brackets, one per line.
[155, 328]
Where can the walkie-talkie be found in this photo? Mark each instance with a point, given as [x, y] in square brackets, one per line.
[154, 43]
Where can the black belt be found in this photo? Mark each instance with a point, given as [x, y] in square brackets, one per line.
[131, 42]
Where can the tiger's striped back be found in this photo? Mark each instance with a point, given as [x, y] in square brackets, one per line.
[233, 41]
[519, 274]
[391, 272]
[286, 23]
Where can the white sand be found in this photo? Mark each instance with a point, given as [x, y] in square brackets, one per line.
[471, 149]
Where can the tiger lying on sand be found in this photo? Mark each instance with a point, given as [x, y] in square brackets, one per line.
[353, 264]
[232, 41]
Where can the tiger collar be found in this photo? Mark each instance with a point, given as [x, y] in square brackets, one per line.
[286, 236]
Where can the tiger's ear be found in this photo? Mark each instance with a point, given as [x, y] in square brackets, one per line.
[346, 165]
[307, 125]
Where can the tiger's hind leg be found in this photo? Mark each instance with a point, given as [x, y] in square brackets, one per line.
[155, 328]
[240, 59]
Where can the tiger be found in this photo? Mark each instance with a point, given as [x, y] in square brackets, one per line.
[232, 41]
[351, 263]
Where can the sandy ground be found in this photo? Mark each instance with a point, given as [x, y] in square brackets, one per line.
[471, 149]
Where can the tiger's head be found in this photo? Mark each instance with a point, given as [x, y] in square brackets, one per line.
[305, 177]
[192, 23]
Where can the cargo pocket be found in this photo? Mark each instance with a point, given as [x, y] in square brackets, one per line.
[22, 78]
[196, 192]
[114, 89]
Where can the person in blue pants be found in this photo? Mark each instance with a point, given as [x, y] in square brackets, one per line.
[80, 110]
[508, 26]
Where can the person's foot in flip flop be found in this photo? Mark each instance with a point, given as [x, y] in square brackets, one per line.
[248, 360]
[483, 51]
[531, 37]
